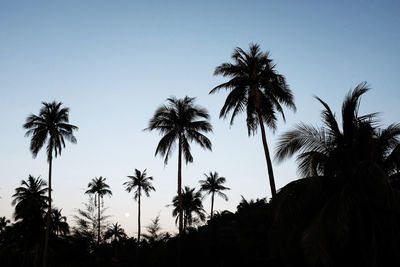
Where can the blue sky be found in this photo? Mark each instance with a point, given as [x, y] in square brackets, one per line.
[114, 62]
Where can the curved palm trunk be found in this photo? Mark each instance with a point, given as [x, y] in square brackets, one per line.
[98, 218]
[267, 157]
[138, 238]
[212, 205]
[46, 238]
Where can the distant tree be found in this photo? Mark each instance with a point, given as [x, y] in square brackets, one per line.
[141, 182]
[193, 211]
[153, 230]
[51, 126]
[213, 184]
[115, 232]
[59, 223]
[99, 189]
[256, 89]
[184, 122]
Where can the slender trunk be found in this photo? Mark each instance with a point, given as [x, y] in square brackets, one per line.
[180, 202]
[180, 186]
[267, 156]
[98, 219]
[46, 238]
[138, 235]
[212, 205]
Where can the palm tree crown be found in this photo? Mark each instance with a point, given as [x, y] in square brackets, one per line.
[257, 89]
[115, 232]
[141, 182]
[59, 223]
[213, 184]
[51, 125]
[193, 211]
[329, 151]
[29, 199]
[180, 120]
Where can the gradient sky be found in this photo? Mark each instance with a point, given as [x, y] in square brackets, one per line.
[114, 62]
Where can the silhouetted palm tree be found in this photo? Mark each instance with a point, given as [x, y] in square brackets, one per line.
[99, 189]
[51, 126]
[59, 223]
[257, 89]
[193, 211]
[141, 182]
[115, 232]
[180, 121]
[345, 200]
[213, 184]
[30, 203]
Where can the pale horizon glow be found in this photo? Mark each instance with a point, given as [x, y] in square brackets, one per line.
[113, 63]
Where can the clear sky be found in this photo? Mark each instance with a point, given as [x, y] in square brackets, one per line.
[114, 62]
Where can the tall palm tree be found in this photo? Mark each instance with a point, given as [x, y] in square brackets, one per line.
[183, 122]
[257, 89]
[115, 232]
[51, 126]
[344, 200]
[141, 182]
[59, 223]
[213, 184]
[99, 189]
[193, 211]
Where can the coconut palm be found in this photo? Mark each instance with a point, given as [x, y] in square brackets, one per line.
[193, 211]
[59, 223]
[256, 89]
[182, 122]
[115, 232]
[30, 202]
[213, 184]
[141, 182]
[344, 200]
[51, 126]
[99, 189]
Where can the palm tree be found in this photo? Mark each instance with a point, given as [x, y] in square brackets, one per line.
[180, 121]
[344, 200]
[51, 126]
[141, 182]
[99, 189]
[193, 211]
[30, 203]
[115, 232]
[213, 184]
[59, 223]
[257, 89]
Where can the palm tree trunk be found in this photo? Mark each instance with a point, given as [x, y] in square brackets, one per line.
[46, 238]
[98, 218]
[180, 187]
[138, 238]
[267, 156]
[212, 205]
